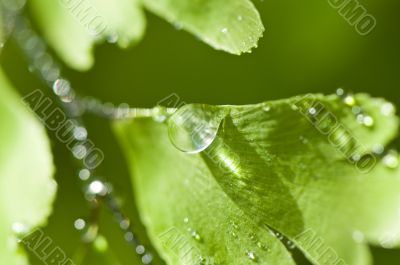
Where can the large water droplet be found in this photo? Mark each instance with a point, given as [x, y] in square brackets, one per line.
[193, 128]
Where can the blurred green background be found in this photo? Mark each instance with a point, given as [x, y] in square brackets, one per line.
[307, 47]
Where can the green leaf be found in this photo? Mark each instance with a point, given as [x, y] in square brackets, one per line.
[233, 26]
[72, 28]
[187, 214]
[26, 187]
[284, 165]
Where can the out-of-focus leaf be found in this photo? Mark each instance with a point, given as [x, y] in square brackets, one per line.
[231, 25]
[72, 28]
[26, 185]
[285, 164]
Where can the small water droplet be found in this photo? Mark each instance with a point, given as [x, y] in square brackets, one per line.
[124, 224]
[79, 224]
[278, 236]
[251, 255]
[196, 235]
[368, 121]
[159, 114]
[80, 133]
[147, 259]
[239, 18]
[129, 236]
[97, 188]
[140, 250]
[62, 88]
[186, 220]
[340, 92]
[387, 109]
[349, 100]
[79, 151]
[84, 174]
[391, 159]
[312, 111]
[193, 128]
[290, 244]
[378, 149]
[356, 157]
[19, 228]
[224, 30]
[266, 107]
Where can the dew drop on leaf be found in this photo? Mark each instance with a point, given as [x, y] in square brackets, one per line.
[378, 149]
[84, 174]
[340, 92]
[196, 236]
[140, 250]
[193, 128]
[387, 109]
[391, 159]
[251, 255]
[79, 224]
[349, 100]
[147, 259]
[19, 228]
[266, 107]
